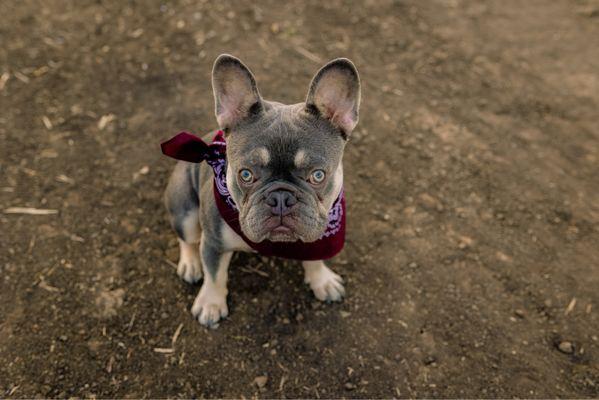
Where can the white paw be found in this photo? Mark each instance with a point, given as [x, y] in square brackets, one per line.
[210, 305]
[190, 266]
[326, 285]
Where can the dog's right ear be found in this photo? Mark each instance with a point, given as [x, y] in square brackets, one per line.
[236, 95]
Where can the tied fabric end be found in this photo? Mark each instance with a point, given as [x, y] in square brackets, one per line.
[186, 147]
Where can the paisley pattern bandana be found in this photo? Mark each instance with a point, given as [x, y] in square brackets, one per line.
[190, 148]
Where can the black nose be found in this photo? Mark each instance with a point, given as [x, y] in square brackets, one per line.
[281, 202]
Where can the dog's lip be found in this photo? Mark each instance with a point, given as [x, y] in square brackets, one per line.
[281, 229]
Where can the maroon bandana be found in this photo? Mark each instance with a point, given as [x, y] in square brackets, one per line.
[188, 147]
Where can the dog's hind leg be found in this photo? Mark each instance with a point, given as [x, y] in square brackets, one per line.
[182, 202]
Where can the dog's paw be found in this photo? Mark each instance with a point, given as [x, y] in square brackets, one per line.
[326, 285]
[190, 266]
[210, 306]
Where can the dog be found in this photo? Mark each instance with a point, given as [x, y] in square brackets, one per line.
[281, 173]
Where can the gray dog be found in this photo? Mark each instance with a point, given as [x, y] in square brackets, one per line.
[283, 173]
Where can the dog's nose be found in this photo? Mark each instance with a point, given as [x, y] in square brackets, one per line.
[281, 202]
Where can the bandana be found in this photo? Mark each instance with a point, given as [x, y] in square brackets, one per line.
[190, 148]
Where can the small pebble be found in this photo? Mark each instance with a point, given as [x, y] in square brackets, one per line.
[261, 381]
[566, 347]
[350, 386]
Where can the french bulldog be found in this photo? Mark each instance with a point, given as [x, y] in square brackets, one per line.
[283, 170]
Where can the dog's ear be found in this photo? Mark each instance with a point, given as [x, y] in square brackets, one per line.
[335, 94]
[236, 95]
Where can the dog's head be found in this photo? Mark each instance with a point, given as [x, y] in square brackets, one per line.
[284, 166]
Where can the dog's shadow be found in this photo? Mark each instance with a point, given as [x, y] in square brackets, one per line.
[274, 285]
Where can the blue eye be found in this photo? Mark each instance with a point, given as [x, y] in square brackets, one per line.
[317, 177]
[246, 176]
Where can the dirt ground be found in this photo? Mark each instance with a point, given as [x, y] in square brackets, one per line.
[472, 258]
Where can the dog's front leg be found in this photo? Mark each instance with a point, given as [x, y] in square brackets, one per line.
[326, 285]
[210, 304]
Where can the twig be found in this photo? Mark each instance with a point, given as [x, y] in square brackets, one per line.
[176, 335]
[163, 350]
[253, 270]
[571, 306]
[29, 211]
[31, 244]
[282, 383]
[309, 55]
[47, 287]
[169, 262]
[130, 325]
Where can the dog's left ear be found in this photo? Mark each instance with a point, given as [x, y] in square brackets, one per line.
[335, 94]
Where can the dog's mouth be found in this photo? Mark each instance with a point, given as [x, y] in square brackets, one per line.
[281, 229]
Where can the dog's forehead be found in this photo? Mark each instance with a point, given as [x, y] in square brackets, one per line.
[286, 135]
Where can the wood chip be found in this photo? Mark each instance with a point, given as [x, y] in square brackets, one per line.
[3, 79]
[48, 153]
[65, 179]
[137, 33]
[571, 306]
[163, 350]
[47, 122]
[41, 70]
[260, 381]
[29, 211]
[176, 335]
[76, 238]
[22, 77]
[105, 120]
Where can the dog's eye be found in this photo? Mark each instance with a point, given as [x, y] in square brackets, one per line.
[317, 177]
[246, 176]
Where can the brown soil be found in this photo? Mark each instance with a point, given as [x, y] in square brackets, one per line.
[472, 257]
